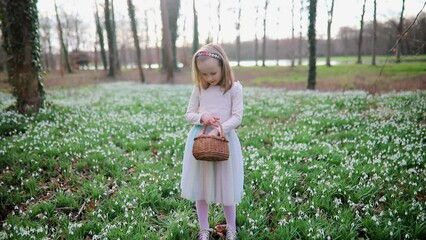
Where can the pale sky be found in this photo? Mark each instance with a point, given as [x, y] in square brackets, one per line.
[346, 13]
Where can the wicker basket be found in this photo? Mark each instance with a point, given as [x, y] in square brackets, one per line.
[211, 148]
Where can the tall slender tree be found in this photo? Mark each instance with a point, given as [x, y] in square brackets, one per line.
[147, 39]
[134, 24]
[64, 47]
[292, 53]
[300, 45]
[277, 40]
[114, 37]
[312, 44]
[219, 22]
[256, 37]
[374, 48]
[46, 26]
[329, 22]
[110, 36]
[21, 41]
[167, 42]
[237, 28]
[400, 35]
[173, 7]
[157, 39]
[265, 9]
[361, 31]
[99, 31]
[196, 40]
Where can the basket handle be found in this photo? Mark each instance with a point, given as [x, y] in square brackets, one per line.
[221, 133]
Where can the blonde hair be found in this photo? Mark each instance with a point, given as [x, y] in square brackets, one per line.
[227, 75]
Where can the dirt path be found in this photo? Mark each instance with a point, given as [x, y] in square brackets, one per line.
[246, 76]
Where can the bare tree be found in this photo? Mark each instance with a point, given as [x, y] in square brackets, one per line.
[172, 16]
[46, 27]
[64, 47]
[196, 40]
[147, 39]
[157, 42]
[373, 58]
[256, 40]
[77, 23]
[264, 33]
[99, 31]
[237, 28]
[133, 24]
[110, 36]
[300, 34]
[361, 30]
[400, 29]
[292, 34]
[114, 35]
[167, 42]
[22, 46]
[219, 22]
[312, 44]
[277, 41]
[329, 22]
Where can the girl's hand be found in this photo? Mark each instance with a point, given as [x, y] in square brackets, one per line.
[209, 120]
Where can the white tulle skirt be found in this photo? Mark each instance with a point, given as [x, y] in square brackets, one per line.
[214, 182]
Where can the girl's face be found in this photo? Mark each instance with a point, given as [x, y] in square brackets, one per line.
[210, 70]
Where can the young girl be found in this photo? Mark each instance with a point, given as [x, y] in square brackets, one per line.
[216, 97]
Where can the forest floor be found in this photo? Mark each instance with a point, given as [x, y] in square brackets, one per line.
[275, 77]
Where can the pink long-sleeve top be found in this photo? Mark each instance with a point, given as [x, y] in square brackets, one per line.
[228, 107]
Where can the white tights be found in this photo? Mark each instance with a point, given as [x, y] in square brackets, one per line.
[203, 214]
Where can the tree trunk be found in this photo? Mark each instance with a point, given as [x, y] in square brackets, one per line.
[219, 23]
[300, 34]
[277, 42]
[400, 26]
[237, 28]
[96, 57]
[292, 53]
[264, 34]
[110, 36]
[373, 58]
[64, 48]
[330, 20]
[167, 42]
[157, 42]
[114, 34]
[21, 41]
[256, 40]
[361, 29]
[173, 14]
[77, 33]
[196, 40]
[312, 44]
[51, 60]
[133, 22]
[147, 51]
[101, 38]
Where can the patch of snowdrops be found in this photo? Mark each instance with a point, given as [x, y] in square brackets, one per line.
[104, 162]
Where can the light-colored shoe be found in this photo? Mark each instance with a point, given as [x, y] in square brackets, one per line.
[231, 233]
[204, 234]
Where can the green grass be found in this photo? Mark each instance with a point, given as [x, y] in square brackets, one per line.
[343, 73]
[104, 162]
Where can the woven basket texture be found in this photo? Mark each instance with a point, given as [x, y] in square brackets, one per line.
[211, 148]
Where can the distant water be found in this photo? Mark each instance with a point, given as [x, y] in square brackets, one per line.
[281, 62]
[243, 63]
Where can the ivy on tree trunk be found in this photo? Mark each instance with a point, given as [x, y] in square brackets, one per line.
[21, 41]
